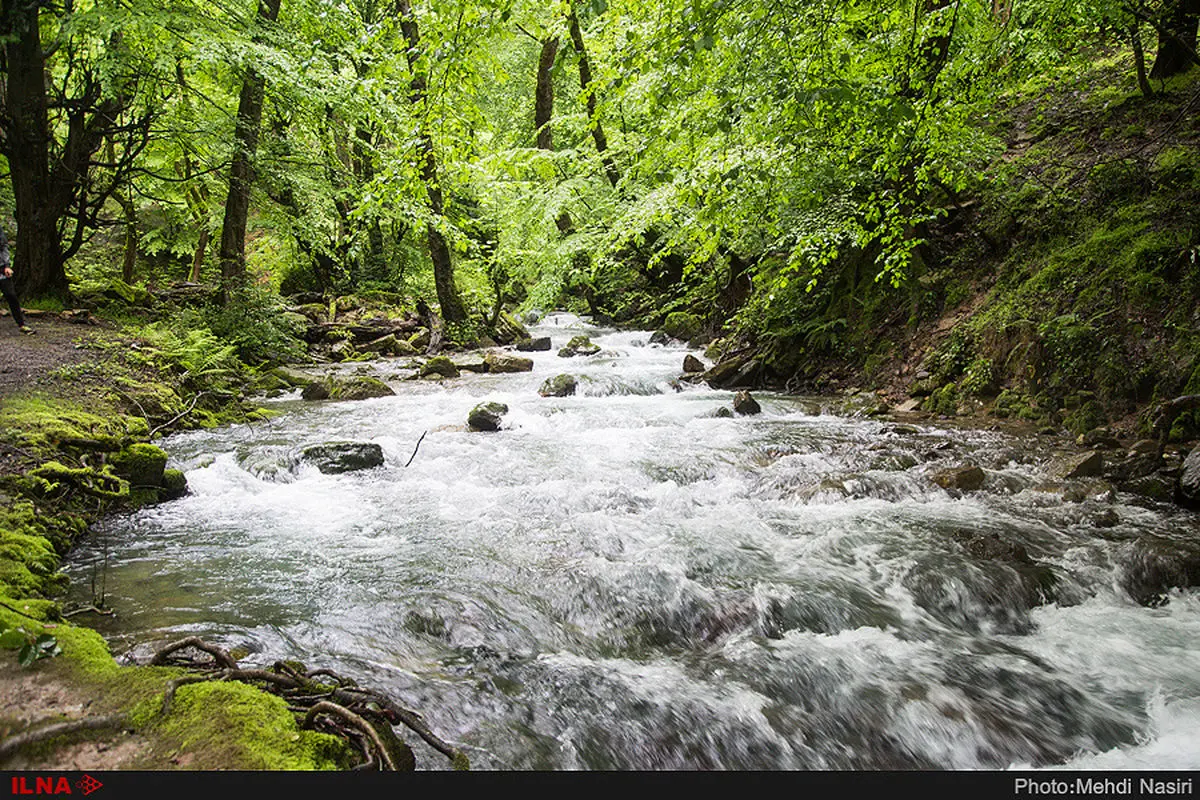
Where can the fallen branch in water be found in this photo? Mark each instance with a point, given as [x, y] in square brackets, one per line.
[92, 609]
[415, 449]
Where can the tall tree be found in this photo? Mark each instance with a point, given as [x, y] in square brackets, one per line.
[589, 94]
[543, 106]
[241, 171]
[61, 103]
[439, 251]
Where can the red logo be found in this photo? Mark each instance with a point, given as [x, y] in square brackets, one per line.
[22, 784]
[87, 784]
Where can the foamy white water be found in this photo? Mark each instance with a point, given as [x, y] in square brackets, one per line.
[619, 580]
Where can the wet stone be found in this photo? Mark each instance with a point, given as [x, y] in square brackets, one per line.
[502, 363]
[1077, 465]
[534, 345]
[746, 405]
[486, 416]
[333, 458]
[965, 478]
[558, 386]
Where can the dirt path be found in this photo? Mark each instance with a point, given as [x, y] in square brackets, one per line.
[29, 696]
[27, 361]
[36, 696]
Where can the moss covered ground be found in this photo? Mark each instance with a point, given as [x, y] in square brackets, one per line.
[76, 444]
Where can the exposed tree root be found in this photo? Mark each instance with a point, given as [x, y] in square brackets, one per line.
[220, 657]
[33, 735]
[334, 704]
[355, 721]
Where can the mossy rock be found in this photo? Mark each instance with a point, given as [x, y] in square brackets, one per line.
[440, 365]
[942, 401]
[54, 479]
[1086, 417]
[174, 484]
[508, 329]
[579, 346]
[486, 416]
[558, 386]
[682, 325]
[141, 464]
[44, 426]
[362, 387]
[113, 291]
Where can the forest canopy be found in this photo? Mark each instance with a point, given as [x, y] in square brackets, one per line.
[627, 157]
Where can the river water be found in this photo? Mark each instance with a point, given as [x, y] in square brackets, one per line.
[620, 579]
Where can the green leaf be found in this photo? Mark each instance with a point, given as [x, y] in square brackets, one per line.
[27, 655]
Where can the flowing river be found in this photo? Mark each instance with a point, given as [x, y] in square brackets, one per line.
[621, 579]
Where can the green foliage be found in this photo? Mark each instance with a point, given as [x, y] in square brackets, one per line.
[953, 356]
[30, 647]
[1073, 346]
[196, 352]
[254, 323]
[979, 378]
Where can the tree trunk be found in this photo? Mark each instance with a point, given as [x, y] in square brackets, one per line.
[589, 93]
[198, 256]
[241, 172]
[1139, 61]
[37, 258]
[443, 267]
[543, 109]
[1176, 39]
[131, 236]
[374, 263]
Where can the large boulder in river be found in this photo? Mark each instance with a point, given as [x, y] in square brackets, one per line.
[966, 478]
[691, 364]
[736, 372]
[141, 464]
[534, 345]
[440, 366]
[486, 416]
[579, 346]
[558, 386]
[744, 404]
[333, 458]
[361, 387]
[1151, 566]
[1188, 490]
[1077, 465]
[498, 362]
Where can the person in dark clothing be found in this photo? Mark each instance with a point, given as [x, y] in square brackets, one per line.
[6, 285]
